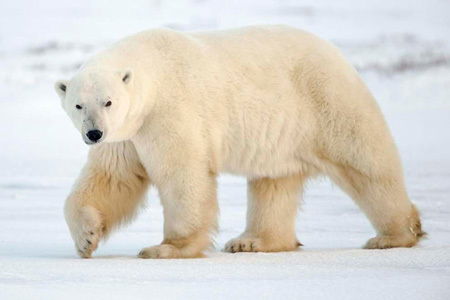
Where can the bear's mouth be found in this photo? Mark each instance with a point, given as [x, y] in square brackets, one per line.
[88, 142]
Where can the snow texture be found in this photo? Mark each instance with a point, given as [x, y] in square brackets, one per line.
[401, 48]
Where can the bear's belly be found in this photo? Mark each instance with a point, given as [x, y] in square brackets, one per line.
[274, 147]
[262, 159]
[271, 139]
[263, 166]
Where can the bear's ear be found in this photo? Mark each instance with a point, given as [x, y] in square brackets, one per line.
[127, 76]
[61, 87]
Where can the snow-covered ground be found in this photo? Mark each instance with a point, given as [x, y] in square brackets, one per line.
[402, 49]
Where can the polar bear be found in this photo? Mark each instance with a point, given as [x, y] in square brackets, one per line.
[272, 103]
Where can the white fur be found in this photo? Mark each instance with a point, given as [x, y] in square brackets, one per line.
[275, 104]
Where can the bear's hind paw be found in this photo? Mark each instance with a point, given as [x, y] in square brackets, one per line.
[386, 242]
[244, 245]
[255, 244]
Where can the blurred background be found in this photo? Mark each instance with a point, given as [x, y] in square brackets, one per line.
[401, 49]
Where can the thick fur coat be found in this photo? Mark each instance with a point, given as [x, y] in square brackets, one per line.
[272, 103]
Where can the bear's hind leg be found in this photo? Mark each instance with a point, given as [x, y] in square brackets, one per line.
[271, 212]
[385, 202]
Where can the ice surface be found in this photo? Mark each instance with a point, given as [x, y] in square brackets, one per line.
[402, 49]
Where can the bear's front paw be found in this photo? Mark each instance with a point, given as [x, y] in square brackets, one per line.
[87, 229]
[160, 251]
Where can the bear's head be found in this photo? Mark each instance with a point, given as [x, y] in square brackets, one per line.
[98, 103]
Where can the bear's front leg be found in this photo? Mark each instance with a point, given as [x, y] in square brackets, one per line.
[188, 195]
[177, 157]
[86, 227]
[108, 193]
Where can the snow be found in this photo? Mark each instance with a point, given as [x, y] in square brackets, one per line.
[402, 49]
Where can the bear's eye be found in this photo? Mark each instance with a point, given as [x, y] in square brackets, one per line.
[108, 103]
[78, 106]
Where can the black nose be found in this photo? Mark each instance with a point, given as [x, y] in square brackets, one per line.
[94, 135]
